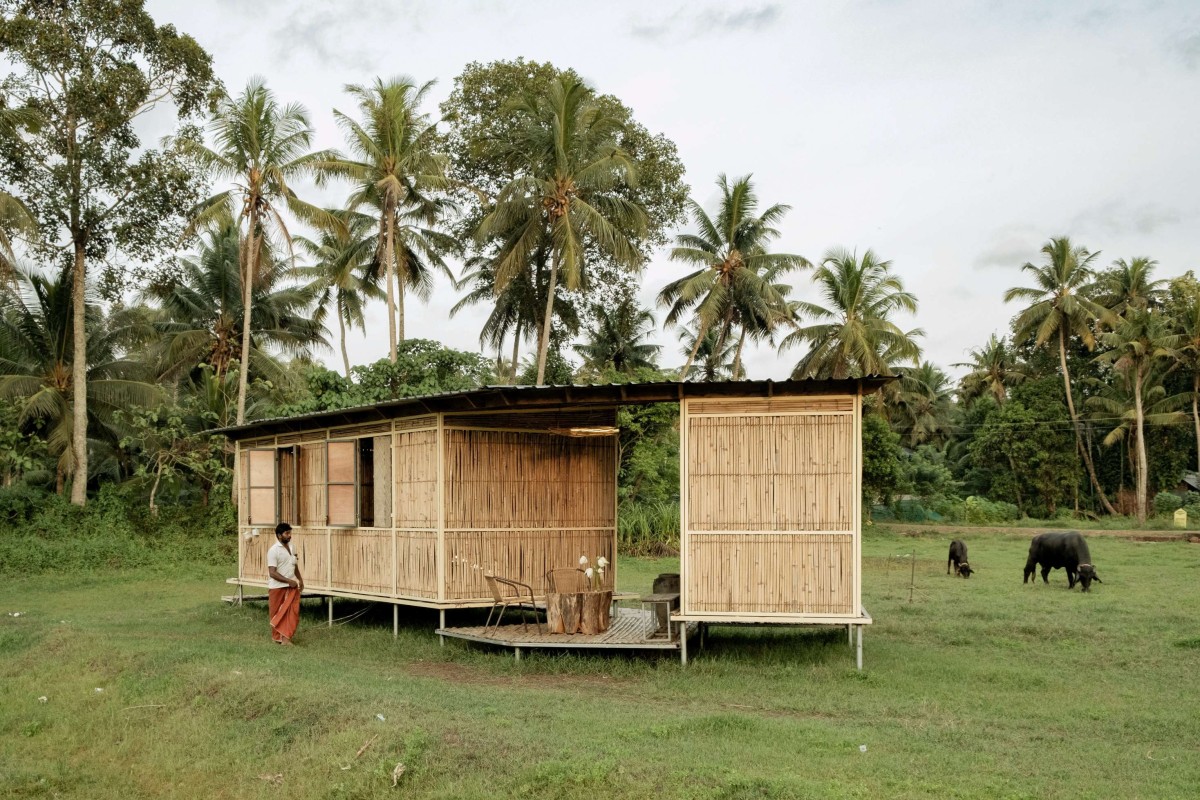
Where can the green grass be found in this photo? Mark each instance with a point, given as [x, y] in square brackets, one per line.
[977, 688]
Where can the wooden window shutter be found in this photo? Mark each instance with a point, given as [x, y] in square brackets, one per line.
[260, 486]
[341, 483]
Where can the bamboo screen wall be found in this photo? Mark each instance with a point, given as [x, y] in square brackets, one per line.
[519, 493]
[525, 501]
[771, 510]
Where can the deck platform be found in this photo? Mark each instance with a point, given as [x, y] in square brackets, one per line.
[631, 629]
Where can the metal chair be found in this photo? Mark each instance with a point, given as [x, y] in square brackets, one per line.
[564, 581]
[507, 592]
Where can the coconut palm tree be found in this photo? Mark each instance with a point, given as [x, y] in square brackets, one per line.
[14, 215]
[202, 311]
[344, 259]
[1187, 357]
[517, 308]
[395, 167]
[261, 147]
[618, 340]
[923, 405]
[1058, 308]
[735, 281]
[712, 359]
[994, 368]
[853, 334]
[567, 198]
[36, 335]
[1127, 284]
[1137, 342]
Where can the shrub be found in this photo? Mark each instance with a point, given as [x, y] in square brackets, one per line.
[648, 528]
[981, 511]
[46, 533]
[1167, 503]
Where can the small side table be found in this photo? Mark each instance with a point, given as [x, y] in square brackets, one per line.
[669, 601]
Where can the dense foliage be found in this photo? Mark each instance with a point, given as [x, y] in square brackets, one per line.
[554, 197]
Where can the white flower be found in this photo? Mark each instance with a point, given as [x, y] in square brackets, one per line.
[98, 690]
[602, 561]
[43, 699]
[583, 561]
[588, 572]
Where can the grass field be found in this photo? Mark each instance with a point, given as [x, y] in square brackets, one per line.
[977, 688]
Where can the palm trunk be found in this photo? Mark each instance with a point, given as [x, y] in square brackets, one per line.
[512, 378]
[544, 343]
[737, 358]
[342, 332]
[247, 308]
[1142, 477]
[79, 380]
[1083, 451]
[391, 280]
[701, 332]
[1196, 415]
[401, 275]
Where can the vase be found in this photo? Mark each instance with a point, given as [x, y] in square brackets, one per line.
[596, 614]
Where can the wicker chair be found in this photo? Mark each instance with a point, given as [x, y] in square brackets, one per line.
[567, 580]
[507, 592]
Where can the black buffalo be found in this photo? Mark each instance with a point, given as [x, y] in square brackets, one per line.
[958, 557]
[1066, 550]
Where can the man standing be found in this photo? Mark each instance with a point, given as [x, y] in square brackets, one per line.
[284, 586]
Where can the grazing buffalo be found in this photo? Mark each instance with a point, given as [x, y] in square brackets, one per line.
[958, 557]
[1066, 550]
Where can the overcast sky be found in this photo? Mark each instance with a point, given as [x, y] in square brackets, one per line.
[953, 139]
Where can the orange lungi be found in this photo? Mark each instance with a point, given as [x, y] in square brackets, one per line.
[284, 607]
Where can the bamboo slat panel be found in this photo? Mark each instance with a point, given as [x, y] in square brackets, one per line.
[426, 421]
[311, 547]
[312, 485]
[355, 431]
[382, 488]
[772, 405]
[362, 560]
[253, 543]
[416, 479]
[524, 555]
[757, 573]
[502, 479]
[416, 563]
[771, 473]
[535, 420]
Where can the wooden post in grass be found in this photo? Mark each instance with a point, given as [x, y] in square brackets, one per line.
[913, 579]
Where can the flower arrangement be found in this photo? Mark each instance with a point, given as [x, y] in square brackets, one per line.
[595, 575]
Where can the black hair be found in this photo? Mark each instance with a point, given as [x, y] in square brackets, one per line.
[282, 528]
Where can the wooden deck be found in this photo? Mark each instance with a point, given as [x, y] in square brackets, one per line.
[630, 630]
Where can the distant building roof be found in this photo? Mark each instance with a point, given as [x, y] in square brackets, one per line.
[573, 395]
[1192, 480]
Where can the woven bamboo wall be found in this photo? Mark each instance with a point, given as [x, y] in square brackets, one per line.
[761, 573]
[416, 479]
[312, 485]
[771, 506]
[416, 563]
[311, 546]
[362, 559]
[508, 479]
[771, 473]
[526, 555]
[383, 481]
[253, 544]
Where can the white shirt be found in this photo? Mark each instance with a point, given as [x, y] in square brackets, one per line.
[284, 562]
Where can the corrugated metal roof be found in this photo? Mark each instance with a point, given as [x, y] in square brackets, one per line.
[551, 396]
